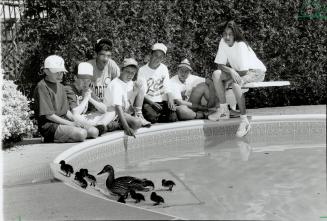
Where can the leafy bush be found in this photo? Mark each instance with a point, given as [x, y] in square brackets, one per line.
[16, 114]
[293, 49]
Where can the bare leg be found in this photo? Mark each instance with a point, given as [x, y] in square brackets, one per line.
[185, 113]
[218, 78]
[239, 97]
[134, 122]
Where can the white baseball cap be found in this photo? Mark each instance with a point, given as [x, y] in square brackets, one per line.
[129, 62]
[55, 63]
[159, 46]
[85, 70]
[185, 63]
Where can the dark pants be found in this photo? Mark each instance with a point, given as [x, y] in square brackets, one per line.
[164, 116]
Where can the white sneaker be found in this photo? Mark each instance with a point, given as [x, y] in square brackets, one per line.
[145, 123]
[243, 129]
[221, 114]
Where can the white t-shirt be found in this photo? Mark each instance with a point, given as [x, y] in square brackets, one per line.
[155, 82]
[117, 94]
[102, 78]
[240, 56]
[181, 90]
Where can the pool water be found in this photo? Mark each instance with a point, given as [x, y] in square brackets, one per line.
[233, 179]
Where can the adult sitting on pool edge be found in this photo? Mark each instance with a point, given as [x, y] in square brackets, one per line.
[192, 94]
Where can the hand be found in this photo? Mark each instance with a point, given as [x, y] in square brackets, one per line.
[87, 94]
[76, 124]
[236, 77]
[171, 105]
[130, 132]
[156, 106]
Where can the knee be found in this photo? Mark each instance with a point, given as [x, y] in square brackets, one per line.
[216, 74]
[79, 135]
[184, 113]
[92, 132]
[136, 124]
[150, 114]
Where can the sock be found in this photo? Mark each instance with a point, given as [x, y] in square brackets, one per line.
[138, 110]
[224, 106]
[244, 118]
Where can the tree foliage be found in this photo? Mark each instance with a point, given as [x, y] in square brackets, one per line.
[292, 49]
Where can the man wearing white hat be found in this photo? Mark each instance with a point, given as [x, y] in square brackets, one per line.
[85, 105]
[192, 94]
[55, 121]
[158, 103]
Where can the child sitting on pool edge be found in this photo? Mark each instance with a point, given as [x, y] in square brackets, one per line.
[86, 107]
[126, 97]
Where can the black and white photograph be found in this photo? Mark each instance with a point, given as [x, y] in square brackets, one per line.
[163, 110]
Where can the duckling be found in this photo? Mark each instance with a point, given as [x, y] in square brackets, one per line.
[148, 183]
[68, 169]
[88, 176]
[168, 183]
[80, 178]
[122, 185]
[137, 196]
[156, 198]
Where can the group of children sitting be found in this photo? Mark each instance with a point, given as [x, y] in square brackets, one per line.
[105, 97]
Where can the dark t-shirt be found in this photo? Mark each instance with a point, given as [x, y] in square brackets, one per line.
[50, 98]
[75, 97]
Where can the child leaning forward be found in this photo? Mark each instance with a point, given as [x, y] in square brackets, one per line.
[126, 98]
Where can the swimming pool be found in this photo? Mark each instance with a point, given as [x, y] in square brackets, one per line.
[278, 171]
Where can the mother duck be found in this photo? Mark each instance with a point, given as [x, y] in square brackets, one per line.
[122, 185]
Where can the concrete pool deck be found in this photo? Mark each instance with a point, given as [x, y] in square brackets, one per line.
[27, 178]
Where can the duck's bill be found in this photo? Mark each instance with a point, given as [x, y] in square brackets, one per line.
[101, 172]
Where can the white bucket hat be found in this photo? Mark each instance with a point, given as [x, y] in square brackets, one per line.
[55, 63]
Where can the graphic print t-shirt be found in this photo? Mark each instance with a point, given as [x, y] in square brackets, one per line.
[102, 78]
[155, 81]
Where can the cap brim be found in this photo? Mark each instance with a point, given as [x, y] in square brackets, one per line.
[157, 49]
[185, 66]
[134, 65]
[55, 70]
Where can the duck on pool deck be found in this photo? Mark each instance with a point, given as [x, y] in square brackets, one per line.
[30, 193]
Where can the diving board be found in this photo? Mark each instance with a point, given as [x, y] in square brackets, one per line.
[266, 84]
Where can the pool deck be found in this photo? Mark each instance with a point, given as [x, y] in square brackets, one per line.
[31, 193]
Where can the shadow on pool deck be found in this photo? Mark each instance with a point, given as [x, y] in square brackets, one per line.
[27, 178]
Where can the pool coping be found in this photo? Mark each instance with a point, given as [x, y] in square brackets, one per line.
[109, 137]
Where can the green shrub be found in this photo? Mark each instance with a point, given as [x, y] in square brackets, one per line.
[293, 49]
[16, 114]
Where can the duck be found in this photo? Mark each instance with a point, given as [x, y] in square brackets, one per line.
[148, 183]
[138, 197]
[80, 178]
[168, 183]
[88, 176]
[68, 169]
[156, 198]
[122, 185]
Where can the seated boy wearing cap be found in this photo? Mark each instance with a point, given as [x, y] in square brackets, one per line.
[126, 98]
[158, 102]
[85, 105]
[55, 121]
[193, 95]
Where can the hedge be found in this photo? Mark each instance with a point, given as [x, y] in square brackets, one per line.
[291, 47]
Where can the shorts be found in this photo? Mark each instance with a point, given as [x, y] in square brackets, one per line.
[65, 133]
[253, 75]
[164, 116]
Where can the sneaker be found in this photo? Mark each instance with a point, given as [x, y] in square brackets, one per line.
[145, 123]
[112, 126]
[221, 114]
[243, 129]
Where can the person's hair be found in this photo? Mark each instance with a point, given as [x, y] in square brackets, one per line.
[238, 36]
[103, 44]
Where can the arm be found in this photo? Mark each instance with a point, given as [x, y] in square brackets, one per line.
[129, 131]
[98, 105]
